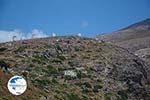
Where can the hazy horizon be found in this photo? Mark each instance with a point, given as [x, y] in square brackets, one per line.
[69, 17]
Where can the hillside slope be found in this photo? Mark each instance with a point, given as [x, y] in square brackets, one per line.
[134, 31]
[103, 71]
[133, 37]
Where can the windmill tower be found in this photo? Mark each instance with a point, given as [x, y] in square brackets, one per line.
[79, 34]
[53, 34]
[33, 36]
[14, 38]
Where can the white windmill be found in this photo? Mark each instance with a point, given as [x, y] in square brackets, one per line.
[14, 38]
[33, 35]
[79, 34]
[53, 34]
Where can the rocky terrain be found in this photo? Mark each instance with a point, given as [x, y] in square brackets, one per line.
[73, 68]
[135, 38]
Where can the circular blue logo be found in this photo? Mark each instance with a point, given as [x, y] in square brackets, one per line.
[17, 85]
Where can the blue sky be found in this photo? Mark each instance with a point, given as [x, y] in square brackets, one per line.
[67, 17]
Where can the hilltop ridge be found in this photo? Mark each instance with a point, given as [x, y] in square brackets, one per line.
[135, 38]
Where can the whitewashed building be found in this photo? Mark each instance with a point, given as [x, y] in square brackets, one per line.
[70, 73]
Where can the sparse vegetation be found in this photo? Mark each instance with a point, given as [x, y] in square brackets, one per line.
[41, 83]
[2, 49]
[73, 96]
[20, 49]
[91, 77]
[108, 96]
[52, 70]
[48, 46]
[61, 57]
[5, 98]
[123, 95]
[97, 88]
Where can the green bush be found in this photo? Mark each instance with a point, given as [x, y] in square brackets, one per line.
[38, 59]
[97, 87]
[5, 98]
[61, 57]
[31, 65]
[68, 78]
[79, 74]
[85, 90]
[85, 98]
[71, 63]
[87, 85]
[48, 46]
[41, 83]
[54, 81]
[52, 70]
[123, 95]
[73, 96]
[3, 49]
[57, 46]
[20, 49]
[57, 61]
[34, 60]
[77, 49]
[108, 96]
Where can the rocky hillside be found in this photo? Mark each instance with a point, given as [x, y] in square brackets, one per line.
[135, 38]
[97, 70]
